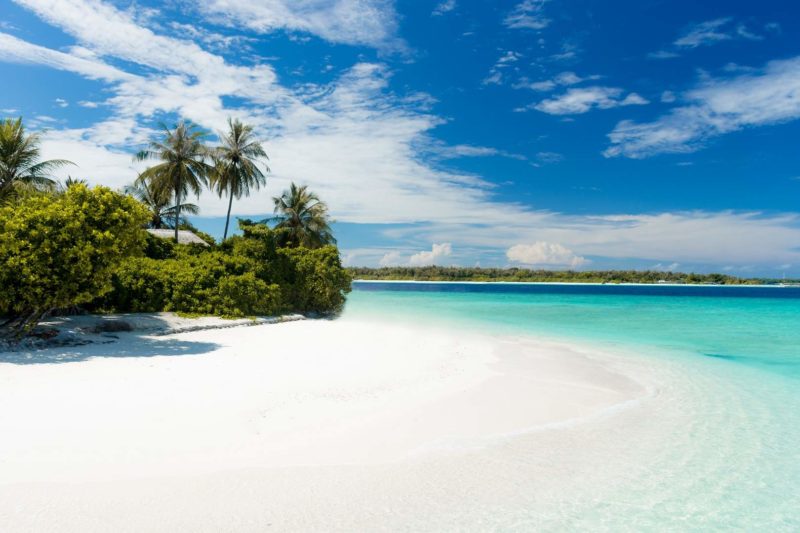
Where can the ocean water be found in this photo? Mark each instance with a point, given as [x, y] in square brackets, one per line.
[718, 448]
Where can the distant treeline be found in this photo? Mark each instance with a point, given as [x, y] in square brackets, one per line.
[436, 273]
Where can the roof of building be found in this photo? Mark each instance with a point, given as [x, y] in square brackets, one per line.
[184, 236]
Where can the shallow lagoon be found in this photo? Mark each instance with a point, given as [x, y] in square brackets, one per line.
[719, 445]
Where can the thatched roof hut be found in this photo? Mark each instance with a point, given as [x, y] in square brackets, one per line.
[184, 236]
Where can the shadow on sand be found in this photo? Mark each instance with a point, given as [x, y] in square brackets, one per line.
[103, 343]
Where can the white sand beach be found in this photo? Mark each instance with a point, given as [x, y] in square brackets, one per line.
[326, 425]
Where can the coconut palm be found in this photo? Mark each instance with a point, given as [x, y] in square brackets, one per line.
[304, 216]
[236, 161]
[159, 205]
[182, 168]
[21, 169]
[71, 182]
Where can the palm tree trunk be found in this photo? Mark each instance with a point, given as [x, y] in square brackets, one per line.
[177, 212]
[228, 218]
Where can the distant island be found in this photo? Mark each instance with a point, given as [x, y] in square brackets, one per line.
[437, 273]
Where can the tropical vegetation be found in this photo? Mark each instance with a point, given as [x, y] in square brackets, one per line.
[438, 273]
[236, 162]
[159, 205]
[62, 250]
[182, 165]
[68, 247]
[304, 217]
[21, 168]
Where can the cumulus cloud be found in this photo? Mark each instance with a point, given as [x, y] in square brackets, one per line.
[436, 254]
[694, 237]
[717, 106]
[528, 14]
[581, 100]
[544, 254]
[392, 258]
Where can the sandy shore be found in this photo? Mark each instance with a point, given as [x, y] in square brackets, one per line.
[288, 426]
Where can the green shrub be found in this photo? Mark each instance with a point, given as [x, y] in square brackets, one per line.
[247, 275]
[317, 283]
[245, 295]
[211, 283]
[61, 250]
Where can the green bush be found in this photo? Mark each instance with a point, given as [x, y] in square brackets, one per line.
[317, 283]
[248, 275]
[61, 250]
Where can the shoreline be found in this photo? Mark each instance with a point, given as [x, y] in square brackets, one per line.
[579, 283]
[106, 426]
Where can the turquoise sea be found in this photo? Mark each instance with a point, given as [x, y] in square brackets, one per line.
[719, 448]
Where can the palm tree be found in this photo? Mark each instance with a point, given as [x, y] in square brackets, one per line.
[182, 168]
[305, 217]
[159, 205]
[20, 165]
[236, 165]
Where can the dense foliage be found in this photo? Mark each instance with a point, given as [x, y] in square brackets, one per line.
[249, 275]
[60, 250]
[436, 273]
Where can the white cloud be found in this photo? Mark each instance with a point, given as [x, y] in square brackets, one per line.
[696, 237]
[544, 254]
[584, 99]
[19, 51]
[437, 253]
[495, 76]
[717, 106]
[334, 137]
[528, 14]
[713, 32]
[392, 258]
[661, 267]
[707, 34]
[357, 22]
[466, 150]
[704, 34]
[668, 97]
[563, 79]
[60, 102]
[446, 6]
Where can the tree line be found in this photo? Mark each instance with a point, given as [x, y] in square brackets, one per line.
[438, 273]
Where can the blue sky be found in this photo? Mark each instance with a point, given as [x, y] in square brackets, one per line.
[541, 133]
